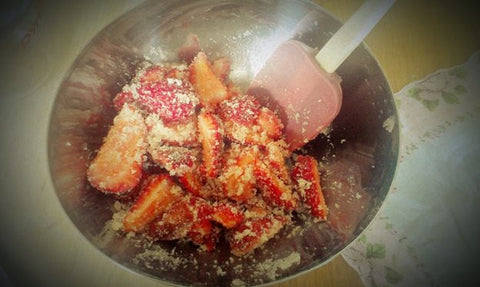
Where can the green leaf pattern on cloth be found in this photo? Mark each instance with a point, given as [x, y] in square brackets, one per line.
[426, 233]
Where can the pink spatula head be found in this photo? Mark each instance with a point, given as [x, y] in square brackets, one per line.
[305, 97]
[303, 87]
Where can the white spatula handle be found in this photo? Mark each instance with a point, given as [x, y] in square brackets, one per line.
[351, 34]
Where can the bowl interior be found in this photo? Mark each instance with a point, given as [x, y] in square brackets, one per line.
[362, 143]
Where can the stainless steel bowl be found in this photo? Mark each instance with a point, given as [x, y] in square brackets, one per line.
[363, 138]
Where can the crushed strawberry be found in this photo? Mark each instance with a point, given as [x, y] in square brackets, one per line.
[306, 178]
[117, 167]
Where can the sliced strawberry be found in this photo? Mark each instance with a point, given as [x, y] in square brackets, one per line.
[209, 88]
[169, 100]
[176, 160]
[122, 98]
[192, 182]
[243, 110]
[254, 232]
[174, 223]
[238, 177]
[266, 128]
[227, 214]
[306, 178]
[158, 193]
[177, 221]
[189, 49]
[117, 167]
[178, 134]
[273, 189]
[204, 234]
[275, 154]
[270, 124]
[211, 136]
[221, 68]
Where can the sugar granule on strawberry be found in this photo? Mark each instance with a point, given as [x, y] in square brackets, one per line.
[306, 178]
[226, 214]
[158, 193]
[273, 189]
[243, 109]
[178, 134]
[172, 102]
[117, 167]
[253, 233]
[209, 88]
[211, 136]
[237, 177]
[176, 160]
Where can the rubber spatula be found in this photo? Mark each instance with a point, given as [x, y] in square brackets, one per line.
[303, 87]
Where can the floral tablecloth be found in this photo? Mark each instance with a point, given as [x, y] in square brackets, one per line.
[427, 233]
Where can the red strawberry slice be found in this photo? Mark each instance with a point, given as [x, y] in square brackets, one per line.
[273, 189]
[178, 220]
[306, 178]
[275, 155]
[117, 167]
[211, 136]
[209, 88]
[122, 98]
[237, 178]
[270, 124]
[267, 127]
[171, 101]
[204, 234]
[177, 134]
[253, 233]
[192, 182]
[227, 215]
[243, 110]
[176, 160]
[158, 193]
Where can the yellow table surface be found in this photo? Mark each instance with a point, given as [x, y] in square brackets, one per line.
[413, 40]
